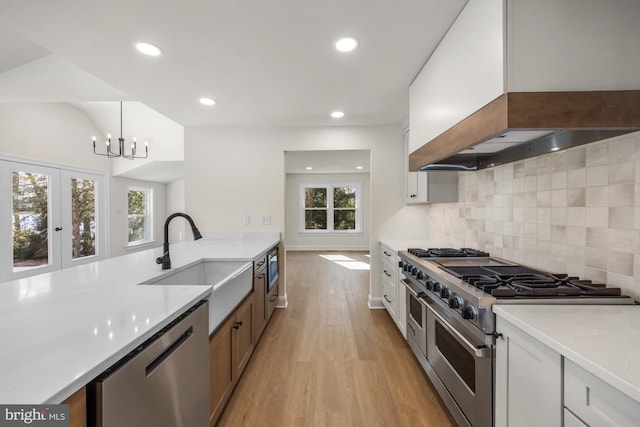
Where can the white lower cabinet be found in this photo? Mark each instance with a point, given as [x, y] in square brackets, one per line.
[537, 386]
[393, 291]
[528, 390]
[595, 402]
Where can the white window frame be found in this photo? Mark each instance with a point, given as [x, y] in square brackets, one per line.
[330, 208]
[149, 216]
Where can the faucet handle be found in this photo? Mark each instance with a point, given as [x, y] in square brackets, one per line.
[159, 260]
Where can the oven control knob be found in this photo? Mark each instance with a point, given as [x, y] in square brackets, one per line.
[429, 284]
[455, 302]
[444, 293]
[419, 276]
[400, 264]
[414, 271]
[421, 295]
[436, 287]
[469, 312]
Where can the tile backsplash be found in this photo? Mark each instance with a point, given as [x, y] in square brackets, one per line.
[575, 211]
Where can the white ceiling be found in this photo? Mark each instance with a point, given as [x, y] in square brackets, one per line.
[265, 62]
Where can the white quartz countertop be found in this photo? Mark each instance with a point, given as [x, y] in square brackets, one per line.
[59, 330]
[604, 340]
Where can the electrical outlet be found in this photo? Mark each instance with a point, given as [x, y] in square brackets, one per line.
[266, 220]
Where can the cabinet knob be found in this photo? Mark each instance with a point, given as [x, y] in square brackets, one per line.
[237, 325]
[388, 300]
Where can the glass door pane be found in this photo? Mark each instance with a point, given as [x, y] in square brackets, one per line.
[83, 212]
[31, 196]
[83, 218]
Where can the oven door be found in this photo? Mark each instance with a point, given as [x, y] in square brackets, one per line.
[464, 364]
[416, 322]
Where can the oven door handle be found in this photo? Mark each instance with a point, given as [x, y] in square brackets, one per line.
[480, 351]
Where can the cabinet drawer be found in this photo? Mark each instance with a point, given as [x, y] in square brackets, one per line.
[571, 420]
[389, 299]
[388, 254]
[390, 274]
[596, 402]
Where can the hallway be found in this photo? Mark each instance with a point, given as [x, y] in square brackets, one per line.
[328, 360]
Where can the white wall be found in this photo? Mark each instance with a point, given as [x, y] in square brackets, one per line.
[50, 132]
[234, 172]
[300, 241]
[175, 203]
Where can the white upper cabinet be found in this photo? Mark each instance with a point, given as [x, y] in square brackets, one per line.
[465, 72]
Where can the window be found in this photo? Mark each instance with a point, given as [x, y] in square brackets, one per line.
[330, 208]
[139, 215]
[54, 219]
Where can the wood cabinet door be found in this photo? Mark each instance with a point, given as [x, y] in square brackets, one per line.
[77, 408]
[243, 336]
[271, 301]
[259, 294]
[221, 378]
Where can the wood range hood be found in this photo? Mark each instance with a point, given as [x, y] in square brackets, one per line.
[519, 125]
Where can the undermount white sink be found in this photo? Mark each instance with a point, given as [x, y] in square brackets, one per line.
[231, 281]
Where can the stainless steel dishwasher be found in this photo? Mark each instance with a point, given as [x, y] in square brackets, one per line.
[163, 382]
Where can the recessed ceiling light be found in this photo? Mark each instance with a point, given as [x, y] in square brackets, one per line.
[308, 168]
[347, 44]
[337, 114]
[207, 101]
[149, 49]
[359, 167]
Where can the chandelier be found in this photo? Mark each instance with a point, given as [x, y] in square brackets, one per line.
[121, 152]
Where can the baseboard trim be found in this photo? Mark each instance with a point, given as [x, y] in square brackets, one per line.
[375, 303]
[326, 248]
[282, 302]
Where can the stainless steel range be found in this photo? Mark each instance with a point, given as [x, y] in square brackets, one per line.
[450, 325]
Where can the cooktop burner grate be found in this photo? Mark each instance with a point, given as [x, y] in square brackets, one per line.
[539, 285]
[446, 252]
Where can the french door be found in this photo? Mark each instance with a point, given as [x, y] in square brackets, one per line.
[50, 218]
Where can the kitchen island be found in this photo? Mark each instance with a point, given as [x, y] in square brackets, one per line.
[60, 330]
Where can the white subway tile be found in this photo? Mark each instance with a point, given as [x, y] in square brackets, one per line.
[597, 196]
[559, 198]
[576, 178]
[597, 154]
[597, 217]
[559, 180]
[622, 217]
[597, 175]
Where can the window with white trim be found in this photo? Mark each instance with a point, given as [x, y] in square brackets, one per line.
[330, 208]
[139, 215]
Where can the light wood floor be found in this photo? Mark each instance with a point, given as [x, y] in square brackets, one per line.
[328, 360]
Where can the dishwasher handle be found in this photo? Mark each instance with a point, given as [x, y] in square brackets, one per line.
[168, 351]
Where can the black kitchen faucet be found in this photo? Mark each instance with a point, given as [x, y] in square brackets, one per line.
[165, 260]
